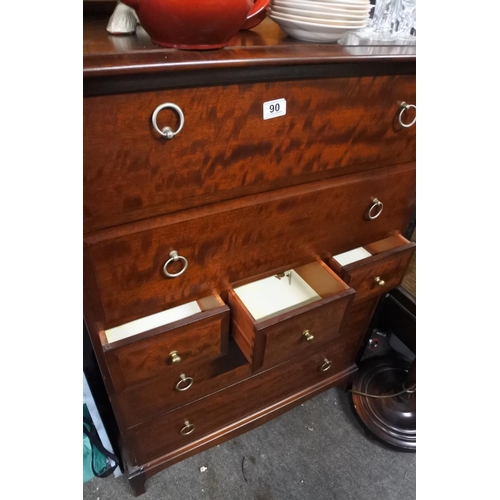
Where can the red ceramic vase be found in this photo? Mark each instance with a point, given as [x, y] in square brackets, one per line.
[195, 24]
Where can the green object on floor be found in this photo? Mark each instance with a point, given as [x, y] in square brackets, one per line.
[95, 456]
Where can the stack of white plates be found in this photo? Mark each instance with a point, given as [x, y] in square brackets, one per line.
[321, 21]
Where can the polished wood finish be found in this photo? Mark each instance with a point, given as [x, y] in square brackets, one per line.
[162, 435]
[265, 46]
[241, 198]
[226, 150]
[269, 342]
[389, 264]
[242, 240]
[200, 337]
[157, 396]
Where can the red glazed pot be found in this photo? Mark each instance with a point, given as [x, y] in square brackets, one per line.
[195, 25]
[256, 19]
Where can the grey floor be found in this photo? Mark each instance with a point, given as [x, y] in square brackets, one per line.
[315, 451]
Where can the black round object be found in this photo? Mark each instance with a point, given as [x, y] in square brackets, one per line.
[392, 420]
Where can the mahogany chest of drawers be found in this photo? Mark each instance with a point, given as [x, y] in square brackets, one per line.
[192, 201]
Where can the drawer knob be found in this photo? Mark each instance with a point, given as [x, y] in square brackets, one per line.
[184, 383]
[326, 365]
[376, 209]
[174, 358]
[307, 336]
[174, 257]
[404, 107]
[167, 132]
[379, 281]
[187, 429]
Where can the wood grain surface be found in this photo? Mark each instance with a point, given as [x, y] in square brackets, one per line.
[230, 241]
[227, 150]
[162, 435]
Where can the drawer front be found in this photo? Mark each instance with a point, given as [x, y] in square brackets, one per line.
[226, 150]
[196, 341]
[162, 435]
[150, 399]
[239, 239]
[286, 339]
[380, 276]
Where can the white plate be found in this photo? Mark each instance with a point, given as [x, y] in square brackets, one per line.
[340, 23]
[309, 26]
[345, 2]
[332, 16]
[359, 23]
[283, 4]
[310, 32]
[358, 9]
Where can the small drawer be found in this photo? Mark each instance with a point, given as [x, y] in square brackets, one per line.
[375, 268]
[242, 402]
[159, 344]
[283, 316]
[155, 397]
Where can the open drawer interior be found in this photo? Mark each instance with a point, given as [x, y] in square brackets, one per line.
[376, 267]
[156, 323]
[160, 343]
[273, 317]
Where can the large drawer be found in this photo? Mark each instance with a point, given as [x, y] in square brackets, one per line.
[186, 384]
[232, 241]
[227, 150]
[184, 425]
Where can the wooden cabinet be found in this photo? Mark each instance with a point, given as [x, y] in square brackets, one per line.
[175, 229]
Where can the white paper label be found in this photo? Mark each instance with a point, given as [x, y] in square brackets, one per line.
[275, 108]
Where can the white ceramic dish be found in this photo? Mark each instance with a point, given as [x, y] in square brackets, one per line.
[153, 321]
[323, 7]
[271, 296]
[310, 32]
[345, 2]
[360, 23]
[319, 13]
[298, 6]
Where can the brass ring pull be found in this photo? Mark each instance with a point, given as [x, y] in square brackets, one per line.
[174, 358]
[379, 281]
[404, 107]
[167, 132]
[326, 365]
[180, 387]
[174, 257]
[376, 209]
[187, 429]
[307, 336]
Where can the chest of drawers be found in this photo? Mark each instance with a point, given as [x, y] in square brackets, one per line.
[175, 227]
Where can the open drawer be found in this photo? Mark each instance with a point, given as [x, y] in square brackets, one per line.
[375, 268]
[145, 348]
[280, 317]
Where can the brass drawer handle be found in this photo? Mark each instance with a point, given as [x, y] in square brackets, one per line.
[179, 386]
[379, 281]
[307, 336]
[326, 365]
[174, 358]
[174, 257]
[404, 107]
[376, 209]
[167, 132]
[187, 429]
